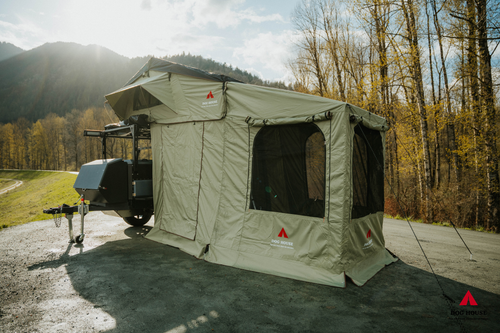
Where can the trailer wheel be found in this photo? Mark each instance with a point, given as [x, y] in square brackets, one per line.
[138, 220]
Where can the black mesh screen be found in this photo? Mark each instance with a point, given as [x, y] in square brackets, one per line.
[367, 173]
[143, 99]
[288, 170]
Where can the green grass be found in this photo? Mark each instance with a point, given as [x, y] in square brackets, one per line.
[40, 190]
[443, 224]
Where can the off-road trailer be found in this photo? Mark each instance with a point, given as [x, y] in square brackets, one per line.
[114, 185]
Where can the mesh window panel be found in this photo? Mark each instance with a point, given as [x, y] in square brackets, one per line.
[315, 166]
[143, 99]
[288, 170]
[367, 173]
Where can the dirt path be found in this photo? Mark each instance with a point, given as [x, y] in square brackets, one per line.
[11, 187]
[117, 281]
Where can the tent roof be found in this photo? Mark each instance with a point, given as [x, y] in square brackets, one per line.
[161, 65]
[171, 93]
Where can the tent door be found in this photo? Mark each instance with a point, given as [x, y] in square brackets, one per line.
[182, 146]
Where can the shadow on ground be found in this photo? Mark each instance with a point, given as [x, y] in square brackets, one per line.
[145, 286]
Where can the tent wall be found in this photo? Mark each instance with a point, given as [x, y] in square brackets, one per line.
[231, 209]
[209, 186]
[311, 251]
[364, 256]
[363, 246]
[180, 178]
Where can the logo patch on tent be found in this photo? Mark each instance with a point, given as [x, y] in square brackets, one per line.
[368, 244]
[282, 243]
[283, 233]
[468, 299]
[212, 101]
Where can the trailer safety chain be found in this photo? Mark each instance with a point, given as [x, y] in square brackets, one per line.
[58, 217]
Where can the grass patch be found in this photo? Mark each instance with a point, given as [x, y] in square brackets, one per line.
[41, 189]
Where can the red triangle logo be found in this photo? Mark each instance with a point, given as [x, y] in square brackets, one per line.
[210, 95]
[283, 233]
[468, 299]
[369, 234]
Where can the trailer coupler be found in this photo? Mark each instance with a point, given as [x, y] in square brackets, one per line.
[68, 212]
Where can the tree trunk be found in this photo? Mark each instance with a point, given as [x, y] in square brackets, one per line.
[332, 28]
[437, 153]
[416, 72]
[450, 117]
[488, 106]
[471, 73]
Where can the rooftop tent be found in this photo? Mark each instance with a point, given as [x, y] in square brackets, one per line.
[262, 179]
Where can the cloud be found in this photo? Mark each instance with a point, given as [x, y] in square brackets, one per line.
[20, 34]
[268, 50]
[250, 15]
[146, 4]
[255, 72]
[173, 25]
[226, 13]
[194, 43]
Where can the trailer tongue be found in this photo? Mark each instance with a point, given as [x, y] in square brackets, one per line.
[122, 186]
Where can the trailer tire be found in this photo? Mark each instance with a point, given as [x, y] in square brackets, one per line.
[138, 220]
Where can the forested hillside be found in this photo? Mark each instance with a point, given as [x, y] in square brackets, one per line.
[60, 77]
[8, 50]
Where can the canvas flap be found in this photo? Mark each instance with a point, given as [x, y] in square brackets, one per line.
[370, 120]
[198, 99]
[170, 98]
[245, 100]
[122, 100]
[178, 171]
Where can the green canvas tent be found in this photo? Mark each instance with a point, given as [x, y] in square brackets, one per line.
[262, 179]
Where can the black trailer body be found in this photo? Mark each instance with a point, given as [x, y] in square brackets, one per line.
[122, 186]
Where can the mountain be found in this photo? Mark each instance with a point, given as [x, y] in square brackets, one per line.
[8, 50]
[59, 77]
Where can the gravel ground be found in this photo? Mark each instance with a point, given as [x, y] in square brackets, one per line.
[117, 281]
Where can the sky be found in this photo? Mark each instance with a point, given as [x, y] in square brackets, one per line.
[253, 35]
